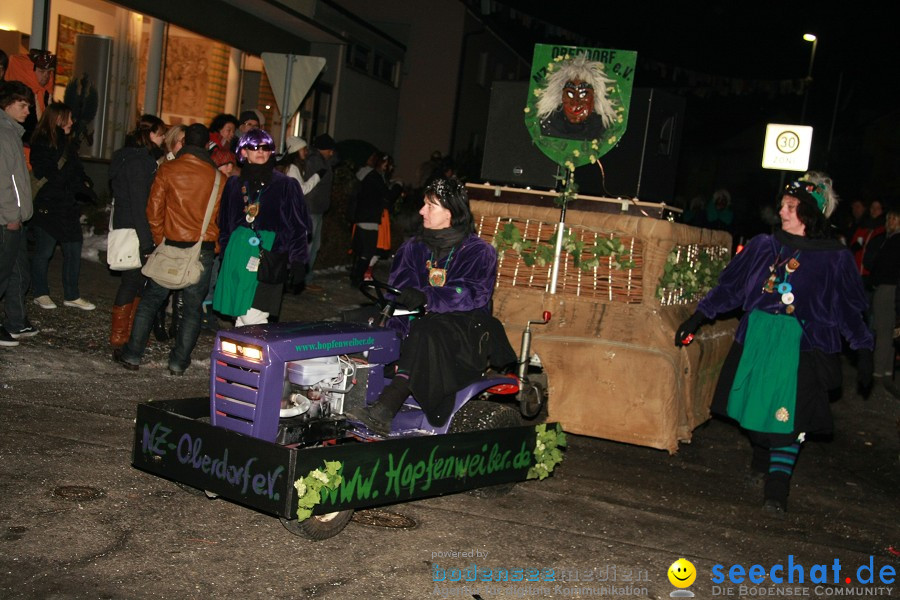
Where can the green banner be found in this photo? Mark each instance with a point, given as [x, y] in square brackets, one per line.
[578, 101]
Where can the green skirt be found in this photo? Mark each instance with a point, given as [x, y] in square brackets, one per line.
[236, 286]
[764, 391]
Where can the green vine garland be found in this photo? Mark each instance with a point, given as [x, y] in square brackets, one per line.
[541, 253]
[547, 453]
[688, 279]
[309, 488]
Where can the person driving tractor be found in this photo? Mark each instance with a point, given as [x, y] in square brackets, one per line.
[450, 272]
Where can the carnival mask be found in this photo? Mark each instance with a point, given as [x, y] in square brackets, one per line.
[577, 101]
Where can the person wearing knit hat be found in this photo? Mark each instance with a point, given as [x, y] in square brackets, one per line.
[325, 142]
[295, 144]
[800, 293]
[248, 120]
[294, 161]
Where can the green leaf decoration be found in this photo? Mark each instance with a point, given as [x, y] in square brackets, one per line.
[309, 488]
[541, 253]
[547, 453]
[690, 272]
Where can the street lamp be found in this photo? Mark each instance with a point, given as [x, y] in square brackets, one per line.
[809, 37]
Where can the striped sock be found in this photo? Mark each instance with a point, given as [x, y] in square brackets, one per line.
[782, 460]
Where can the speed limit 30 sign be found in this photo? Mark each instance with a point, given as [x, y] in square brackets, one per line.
[787, 147]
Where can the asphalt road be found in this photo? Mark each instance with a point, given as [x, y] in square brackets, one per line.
[78, 521]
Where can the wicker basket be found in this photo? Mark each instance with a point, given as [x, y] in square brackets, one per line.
[612, 368]
[606, 280]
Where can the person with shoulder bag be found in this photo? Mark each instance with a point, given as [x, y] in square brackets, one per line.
[131, 174]
[182, 212]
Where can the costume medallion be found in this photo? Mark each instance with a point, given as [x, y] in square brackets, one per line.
[252, 211]
[437, 277]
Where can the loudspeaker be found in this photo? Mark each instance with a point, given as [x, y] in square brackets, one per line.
[643, 164]
[510, 157]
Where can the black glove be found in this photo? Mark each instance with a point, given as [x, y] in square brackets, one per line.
[865, 366]
[297, 277]
[412, 298]
[684, 333]
[322, 173]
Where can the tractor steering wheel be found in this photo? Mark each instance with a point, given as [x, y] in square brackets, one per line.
[374, 290]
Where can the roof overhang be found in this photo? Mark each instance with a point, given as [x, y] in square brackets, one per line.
[254, 26]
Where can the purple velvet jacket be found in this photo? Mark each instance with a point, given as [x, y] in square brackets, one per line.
[470, 277]
[281, 210]
[829, 296]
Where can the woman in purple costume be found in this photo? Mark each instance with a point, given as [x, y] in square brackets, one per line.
[450, 272]
[800, 293]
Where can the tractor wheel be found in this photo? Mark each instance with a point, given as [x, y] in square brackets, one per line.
[483, 415]
[319, 527]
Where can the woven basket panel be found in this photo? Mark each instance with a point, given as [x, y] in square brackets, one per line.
[601, 282]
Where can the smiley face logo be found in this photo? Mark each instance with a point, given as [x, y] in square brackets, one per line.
[682, 573]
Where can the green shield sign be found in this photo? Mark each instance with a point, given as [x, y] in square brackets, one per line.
[578, 101]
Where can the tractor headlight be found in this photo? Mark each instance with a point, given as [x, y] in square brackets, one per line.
[247, 351]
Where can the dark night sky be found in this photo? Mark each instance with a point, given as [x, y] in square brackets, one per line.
[737, 39]
[853, 100]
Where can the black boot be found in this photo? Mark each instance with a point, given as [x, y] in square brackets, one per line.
[777, 488]
[377, 417]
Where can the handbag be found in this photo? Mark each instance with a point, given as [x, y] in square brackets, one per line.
[37, 184]
[123, 249]
[176, 268]
[273, 267]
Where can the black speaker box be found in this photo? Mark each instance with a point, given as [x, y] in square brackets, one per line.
[510, 157]
[642, 165]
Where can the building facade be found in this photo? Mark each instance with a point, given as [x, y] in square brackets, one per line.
[408, 78]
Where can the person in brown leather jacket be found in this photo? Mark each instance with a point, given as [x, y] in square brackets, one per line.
[175, 211]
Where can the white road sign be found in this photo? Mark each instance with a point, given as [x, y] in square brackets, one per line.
[787, 147]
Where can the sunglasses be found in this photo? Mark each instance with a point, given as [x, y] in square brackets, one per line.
[260, 147]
